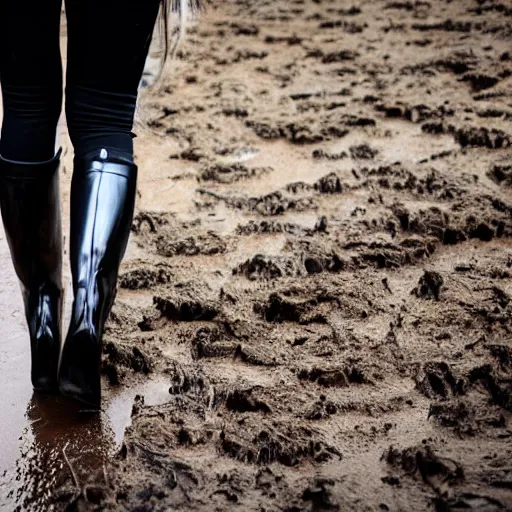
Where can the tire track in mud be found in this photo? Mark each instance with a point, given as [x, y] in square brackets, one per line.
[324, 273]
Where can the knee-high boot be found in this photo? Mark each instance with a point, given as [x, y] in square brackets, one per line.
[30, 205]
[102, 203]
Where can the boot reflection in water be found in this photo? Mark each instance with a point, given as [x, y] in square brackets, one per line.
[62, 444]
[108, 42]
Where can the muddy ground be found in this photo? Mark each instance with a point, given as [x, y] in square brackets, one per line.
[320, 267]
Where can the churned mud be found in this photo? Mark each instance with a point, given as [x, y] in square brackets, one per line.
[319, 277]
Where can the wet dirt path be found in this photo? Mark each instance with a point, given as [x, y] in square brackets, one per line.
[14, 356]
[319, 279]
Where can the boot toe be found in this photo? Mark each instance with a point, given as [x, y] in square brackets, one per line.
[80, 393]
[45, 385]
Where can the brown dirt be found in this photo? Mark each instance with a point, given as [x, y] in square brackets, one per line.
[320, 265]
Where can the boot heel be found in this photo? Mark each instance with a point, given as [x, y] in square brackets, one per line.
[45, 345]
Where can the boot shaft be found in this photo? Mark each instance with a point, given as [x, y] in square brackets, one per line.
[30, 207]
[102, 206]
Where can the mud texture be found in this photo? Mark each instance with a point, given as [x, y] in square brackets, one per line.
[321, 265]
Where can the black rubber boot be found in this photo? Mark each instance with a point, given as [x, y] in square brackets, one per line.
[102, 203]
[30, 205]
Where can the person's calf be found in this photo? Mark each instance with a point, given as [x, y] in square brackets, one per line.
[100, 119]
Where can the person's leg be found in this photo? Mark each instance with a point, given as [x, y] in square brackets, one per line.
[31, 79]
[108, 44]
[107, 48]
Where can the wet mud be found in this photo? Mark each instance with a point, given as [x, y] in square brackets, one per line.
[319, 271]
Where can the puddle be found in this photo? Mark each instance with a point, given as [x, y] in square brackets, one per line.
[239, 156]
[54, 435]
[119, 406]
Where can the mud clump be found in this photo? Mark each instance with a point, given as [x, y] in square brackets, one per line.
[335, 377]
[319, 154]
[499, 389]
[482, 137]
[244, 29]
[480, 82]
[501, 174]
[151, 222]
[272, 204]
[273, 226]
[320, 495]
[120, 357]
[470, 136]
[340, 56]
[268, 445]
[281, 308]
[321, 409]
[447, 26]
[243, 401]
[423, 461]
[214, 342]
[429, 285]
[300, 133]
[437, 380]
[465, 418]
[330, 184]
[264, 267]
[208, 244]
[145, 277]
[325, 263]
[185, 310]
[232, 173]
[362, 152]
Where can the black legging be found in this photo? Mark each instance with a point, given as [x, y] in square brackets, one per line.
[108, 41]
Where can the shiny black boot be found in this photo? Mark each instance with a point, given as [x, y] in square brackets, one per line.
[30, 205]
[102, 203]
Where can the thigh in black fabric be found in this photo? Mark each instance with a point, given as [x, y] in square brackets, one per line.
[108, 41]
[31, 77]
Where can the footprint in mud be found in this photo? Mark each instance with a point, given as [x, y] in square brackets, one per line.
[434, 469]
[262, 444]
[437, 380]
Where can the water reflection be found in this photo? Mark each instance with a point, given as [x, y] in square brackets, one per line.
[63, 451]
